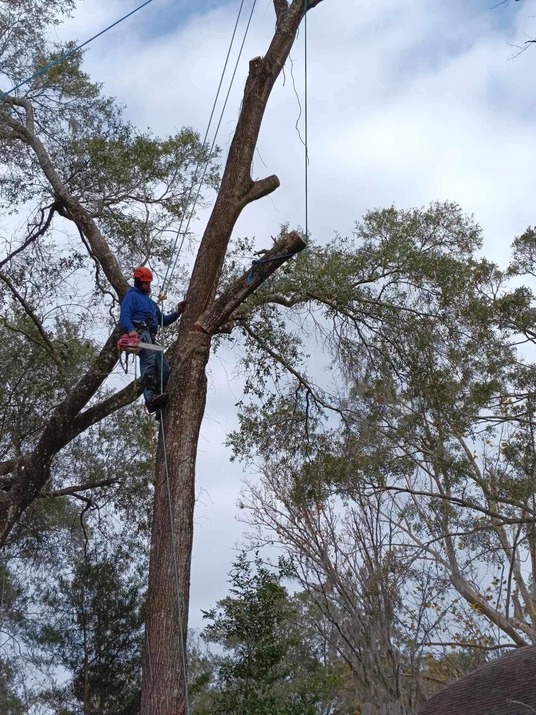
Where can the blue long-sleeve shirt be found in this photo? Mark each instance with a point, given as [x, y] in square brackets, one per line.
[138, 306]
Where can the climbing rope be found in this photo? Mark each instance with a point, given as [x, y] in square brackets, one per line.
[306, 119]
[173, 533]
[66, 55]
[176, 574]
[189, 214]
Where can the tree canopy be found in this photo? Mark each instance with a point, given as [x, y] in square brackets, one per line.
[388, 411]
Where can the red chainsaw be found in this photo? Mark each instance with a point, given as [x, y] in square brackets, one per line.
[133, 344]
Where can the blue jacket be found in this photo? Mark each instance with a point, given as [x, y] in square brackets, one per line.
[138, 306]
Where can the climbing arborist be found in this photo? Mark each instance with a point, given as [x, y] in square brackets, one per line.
[140, 315]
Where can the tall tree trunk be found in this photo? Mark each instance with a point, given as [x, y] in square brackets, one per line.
[163, 687]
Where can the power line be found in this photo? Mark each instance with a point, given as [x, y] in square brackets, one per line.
[66, 55]
[194, 179]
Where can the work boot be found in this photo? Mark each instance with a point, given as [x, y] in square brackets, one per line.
[157, 402]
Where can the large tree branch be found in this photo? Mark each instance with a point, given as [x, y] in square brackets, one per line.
[103, 409]
[222, 308]
[60, 429]
[82, 422]
[468, 592]
[73, 208]
[476, 600]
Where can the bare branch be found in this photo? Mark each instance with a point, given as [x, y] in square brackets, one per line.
[43, 227]
[36, 322]
[68, 491]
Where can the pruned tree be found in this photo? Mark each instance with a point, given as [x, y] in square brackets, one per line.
[88, 167]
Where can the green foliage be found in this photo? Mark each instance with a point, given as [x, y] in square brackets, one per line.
[94, 629]
[24, 22]
[267, 666]
[428, 412]
[404, 309]
[38, 379]
[524, 253]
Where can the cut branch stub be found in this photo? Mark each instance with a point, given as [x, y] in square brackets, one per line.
[222, 308]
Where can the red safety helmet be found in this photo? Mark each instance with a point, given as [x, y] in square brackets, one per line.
[144, 274]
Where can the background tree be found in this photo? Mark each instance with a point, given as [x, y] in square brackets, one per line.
[404, 492]
[92, 626]
[267, 664]
[79, 562]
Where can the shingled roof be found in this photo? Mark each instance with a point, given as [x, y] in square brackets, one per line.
[505, 686]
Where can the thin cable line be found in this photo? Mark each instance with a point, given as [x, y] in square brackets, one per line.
[50, 65]
[194, 180]
[306, 121]
[190, 213]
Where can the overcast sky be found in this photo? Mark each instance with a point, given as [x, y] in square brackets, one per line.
[410, 101]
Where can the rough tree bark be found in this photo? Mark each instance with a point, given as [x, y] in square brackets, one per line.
[163, 687]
